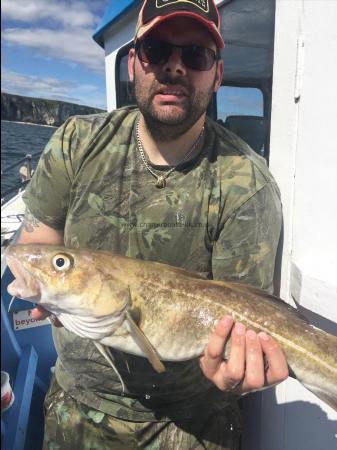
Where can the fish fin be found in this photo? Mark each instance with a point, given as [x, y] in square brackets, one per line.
[105, 352]
[125, 360]
[329, 398]
[144, 344]
[135, 314]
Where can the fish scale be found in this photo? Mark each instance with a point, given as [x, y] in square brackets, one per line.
[249, 322]
[165, 313]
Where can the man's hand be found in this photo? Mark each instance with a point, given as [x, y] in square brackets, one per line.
[245, 369]
[39, 313]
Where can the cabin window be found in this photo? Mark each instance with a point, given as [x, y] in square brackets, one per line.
[124, 89]
[241, 110]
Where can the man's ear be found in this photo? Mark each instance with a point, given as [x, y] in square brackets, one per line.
[218, 75]
[131, 64]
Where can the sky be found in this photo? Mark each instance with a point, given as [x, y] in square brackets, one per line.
[48, 50]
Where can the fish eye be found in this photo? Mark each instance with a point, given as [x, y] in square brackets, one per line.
[62, 262]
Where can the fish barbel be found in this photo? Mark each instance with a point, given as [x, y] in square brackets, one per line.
[163, 312]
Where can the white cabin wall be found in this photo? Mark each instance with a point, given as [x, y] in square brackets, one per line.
[284, 122]
[315, 202]
[303, 155]
[117, 36]
[303, 160]
[315, 240]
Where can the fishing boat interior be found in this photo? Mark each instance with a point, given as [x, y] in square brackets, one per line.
[248, 27]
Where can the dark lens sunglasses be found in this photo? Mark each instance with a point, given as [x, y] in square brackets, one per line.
[194, 57]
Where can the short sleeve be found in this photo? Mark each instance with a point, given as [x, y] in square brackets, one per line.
[47, 195]
[246, 249]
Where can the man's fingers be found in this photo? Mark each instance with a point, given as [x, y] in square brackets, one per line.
[236, 363]
[245, 368]
[216, 344]
[214, 351]
[255, 374]
[39, 313]
[277, 364]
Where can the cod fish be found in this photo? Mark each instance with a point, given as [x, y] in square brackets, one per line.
[161, 312]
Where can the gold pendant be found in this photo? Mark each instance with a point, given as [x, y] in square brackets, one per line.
[161, 182]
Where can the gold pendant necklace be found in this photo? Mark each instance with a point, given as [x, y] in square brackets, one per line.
[161, 182]
[161, 179]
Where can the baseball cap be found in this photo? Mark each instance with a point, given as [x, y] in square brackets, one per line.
[154, 12]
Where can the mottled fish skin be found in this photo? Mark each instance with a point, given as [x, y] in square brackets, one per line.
[174, 308]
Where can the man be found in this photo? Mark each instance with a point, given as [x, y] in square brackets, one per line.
[162, 183]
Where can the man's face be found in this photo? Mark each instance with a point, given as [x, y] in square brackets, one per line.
[170, 95]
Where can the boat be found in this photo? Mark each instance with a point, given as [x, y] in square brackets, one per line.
[27, 350]
[279, 53]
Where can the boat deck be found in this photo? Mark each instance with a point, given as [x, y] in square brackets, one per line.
[27, 355]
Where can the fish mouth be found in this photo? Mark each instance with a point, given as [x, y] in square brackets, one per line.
[25, 285]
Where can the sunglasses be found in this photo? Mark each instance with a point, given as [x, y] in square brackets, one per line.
[157, 52]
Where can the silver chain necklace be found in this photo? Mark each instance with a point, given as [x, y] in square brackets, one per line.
[161, 179]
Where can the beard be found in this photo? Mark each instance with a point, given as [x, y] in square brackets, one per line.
[170, 121]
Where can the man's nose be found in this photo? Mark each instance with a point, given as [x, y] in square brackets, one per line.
[174, 64]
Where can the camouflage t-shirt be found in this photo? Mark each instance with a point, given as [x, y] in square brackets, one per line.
[219, 215]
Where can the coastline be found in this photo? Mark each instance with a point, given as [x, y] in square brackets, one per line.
[30, 123]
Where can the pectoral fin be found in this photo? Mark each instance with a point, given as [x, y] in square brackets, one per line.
[105, 352]
[144, 344]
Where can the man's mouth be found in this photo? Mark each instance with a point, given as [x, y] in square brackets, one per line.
[171, 93]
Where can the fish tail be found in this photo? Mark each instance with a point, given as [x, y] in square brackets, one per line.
[102, 349]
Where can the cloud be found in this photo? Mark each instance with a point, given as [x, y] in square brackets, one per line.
[75, 45]
[51, 88]
[55, 29]
[70, 13]
[32, 84]
[59, 31]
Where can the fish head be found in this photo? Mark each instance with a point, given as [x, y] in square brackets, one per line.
[60, 279]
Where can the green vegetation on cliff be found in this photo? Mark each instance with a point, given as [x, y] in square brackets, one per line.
[41, 111]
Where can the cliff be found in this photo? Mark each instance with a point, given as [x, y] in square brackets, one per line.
[41, 111]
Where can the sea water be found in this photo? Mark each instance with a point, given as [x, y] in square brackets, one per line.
[18, 139]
